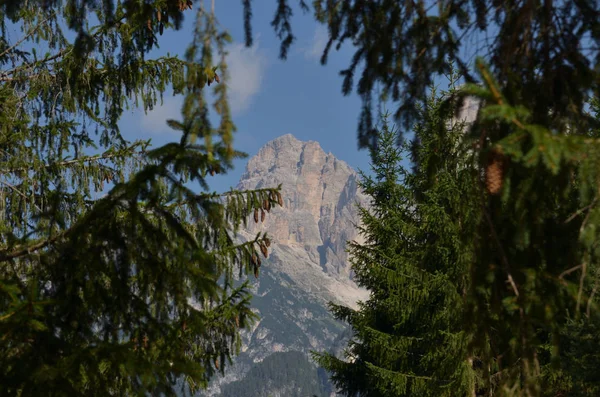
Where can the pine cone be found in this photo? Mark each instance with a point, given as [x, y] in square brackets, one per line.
[279, 199]
[256, 215]
[263, 249]
[494, 172]
[262, 215]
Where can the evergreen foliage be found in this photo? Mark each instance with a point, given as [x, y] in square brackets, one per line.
[129, 293]
[577, 374]
[409, 338]
[460, 306]
[535, 266]
[289, 373]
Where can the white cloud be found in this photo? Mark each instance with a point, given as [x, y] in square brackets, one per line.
[155, 121]
[246, 67]
[319, 41]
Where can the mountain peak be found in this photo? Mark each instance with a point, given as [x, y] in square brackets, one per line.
[283, 139]
[319, 193]
[289, 153]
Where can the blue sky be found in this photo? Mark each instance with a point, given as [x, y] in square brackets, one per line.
[269, 97]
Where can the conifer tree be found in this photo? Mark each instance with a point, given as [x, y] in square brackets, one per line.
[133, 292]
[535, 263]
[572, 370]
[408, 336]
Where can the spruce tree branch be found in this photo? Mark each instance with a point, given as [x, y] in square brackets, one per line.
[7, 78]
[569, 271]
[238, 247]
[27, 35]
[26, 250]
[407, 375]
[31, 65]
[64, 51]
[214, 196]
[66, 163]
[20, 193]
[579, 212]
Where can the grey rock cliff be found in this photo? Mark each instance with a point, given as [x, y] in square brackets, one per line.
[319, 214]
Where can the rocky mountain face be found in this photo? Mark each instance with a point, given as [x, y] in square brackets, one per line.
[307, 267]
[318, 216]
